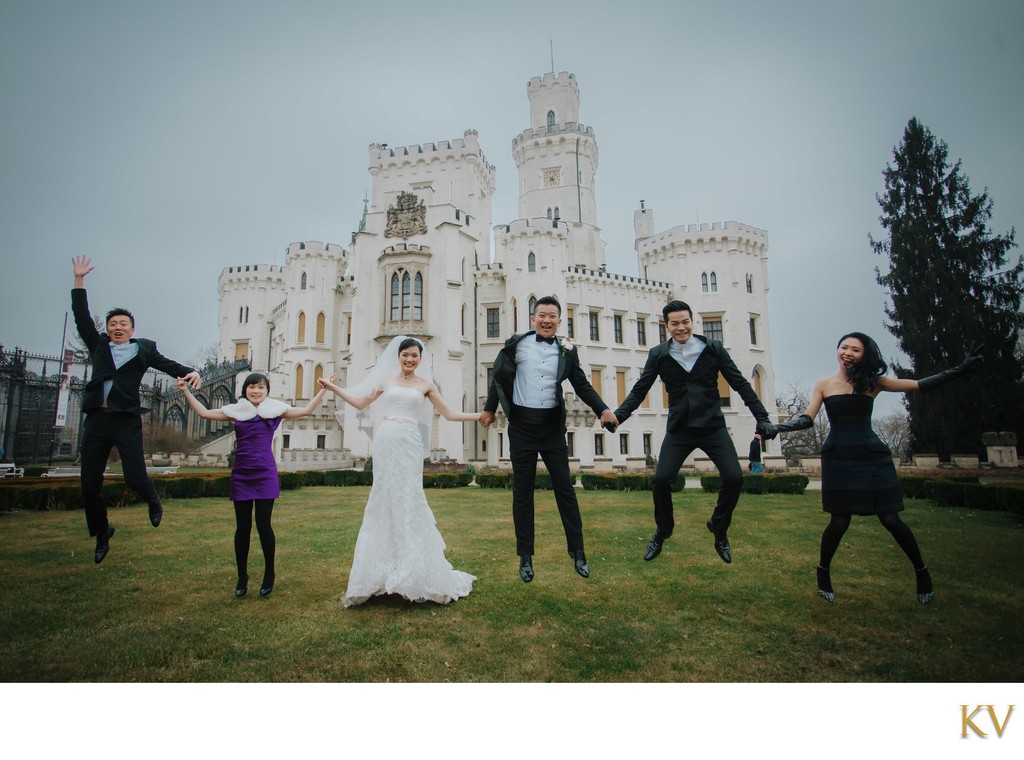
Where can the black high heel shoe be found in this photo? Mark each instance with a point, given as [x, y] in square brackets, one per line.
[268, 585]
[825, 584]
[242, 587]
[924, 585]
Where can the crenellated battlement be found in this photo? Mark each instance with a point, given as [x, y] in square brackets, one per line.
[562, 78]
[383, 156]
[717, 234]
[539, 133]
[624, 280]
[314, 247]
[244, 272]
[541, 226]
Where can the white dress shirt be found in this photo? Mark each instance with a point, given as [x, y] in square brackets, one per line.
[121, 353]
[687, 353]
[536, 374]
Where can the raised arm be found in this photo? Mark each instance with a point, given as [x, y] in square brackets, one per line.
[446, 411]
[356, 402]
[82, 265]
[293, 412]
[197, 406]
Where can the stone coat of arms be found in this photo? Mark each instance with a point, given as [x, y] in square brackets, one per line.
[407, 218]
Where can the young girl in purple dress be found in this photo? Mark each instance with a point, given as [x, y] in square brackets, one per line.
[254, 480]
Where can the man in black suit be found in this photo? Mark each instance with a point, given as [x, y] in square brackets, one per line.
[527, 380]
[688, 365]
[113, 409]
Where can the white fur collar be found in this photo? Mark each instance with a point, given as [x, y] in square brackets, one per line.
[244, 410]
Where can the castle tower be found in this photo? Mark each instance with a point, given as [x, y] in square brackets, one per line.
[557, 161]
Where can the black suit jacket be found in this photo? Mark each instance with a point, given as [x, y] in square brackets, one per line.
[124, 394]
[504, 374]
[693, 399]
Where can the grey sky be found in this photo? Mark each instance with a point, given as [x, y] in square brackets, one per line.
[169, 140]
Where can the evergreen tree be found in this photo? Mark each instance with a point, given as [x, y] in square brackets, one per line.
[951, 284]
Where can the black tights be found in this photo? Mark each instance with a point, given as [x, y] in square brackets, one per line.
[900, 531]
[243, 529]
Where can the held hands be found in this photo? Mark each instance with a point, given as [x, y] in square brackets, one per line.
[765, 430]
[193, 379]
[486, 419]
[609, 421]
[181, 383]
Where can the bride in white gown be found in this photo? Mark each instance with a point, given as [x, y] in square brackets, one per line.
[399, 549]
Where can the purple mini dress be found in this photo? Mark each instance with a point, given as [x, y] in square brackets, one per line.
[254, 472]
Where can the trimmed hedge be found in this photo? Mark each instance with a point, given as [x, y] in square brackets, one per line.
[494, 479]
[760, 484]
[594, 481]
[965, 492]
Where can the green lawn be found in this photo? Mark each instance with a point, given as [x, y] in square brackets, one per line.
[161, 607]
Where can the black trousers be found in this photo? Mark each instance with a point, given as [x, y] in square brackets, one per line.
[102, 432]
[534, 432]
[716, 443]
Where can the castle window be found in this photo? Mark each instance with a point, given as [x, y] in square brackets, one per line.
[648, 447]
[595, 330]
[750, 283]
[302, 283]
[321, 327]
[713, 329]
[462, 320]
[551, 118]
[493, 329]
[239, 315]
[570, 323]
[704, 282]
[417, 296]
[300, 336]
[570, 442]
[723, 391]
[599, 444]
[406, 295]
[624, 444]
[549, 213]
[641, 331]
[558, 215]
[298, 381]
[321, 441]
[752, 323]
[395, 297]
[617, 327]
[662, 335]
[531, 262]
[533, 304]
[317, 374]
[515, 315]
[247, 315]
[714, 282]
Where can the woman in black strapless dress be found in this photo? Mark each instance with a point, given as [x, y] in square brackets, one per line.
[857, 472]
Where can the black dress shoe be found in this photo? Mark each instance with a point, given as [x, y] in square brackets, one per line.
[103, 544]
[825, 584]
[242, 587]
[654, 546]
[525, 568]
[579, 562]
[721, 544]
[156, 513]
[925, 594]
[268, 585]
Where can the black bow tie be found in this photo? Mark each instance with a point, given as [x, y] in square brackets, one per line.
[540, 338]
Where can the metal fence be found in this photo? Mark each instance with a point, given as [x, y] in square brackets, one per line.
[33, 387]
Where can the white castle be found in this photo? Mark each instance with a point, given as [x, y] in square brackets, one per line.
[421, 264]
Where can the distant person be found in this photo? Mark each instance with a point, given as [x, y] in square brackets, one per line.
[527, 380]
[857, 473]
[399, 549]
[689, 366]
[112, 406]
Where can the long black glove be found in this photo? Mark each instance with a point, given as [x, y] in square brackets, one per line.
[801, 422]
[974, 356]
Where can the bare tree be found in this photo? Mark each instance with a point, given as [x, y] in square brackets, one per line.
[801, 443]
[894, 430]
[206, 357]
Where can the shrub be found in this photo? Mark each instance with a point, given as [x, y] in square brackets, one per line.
[219, 486]
[593, 481]
[444, 480]
[494, 479]
[787, 483]
[291, 481]
[188, 487]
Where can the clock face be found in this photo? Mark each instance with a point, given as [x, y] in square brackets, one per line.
[551, 178]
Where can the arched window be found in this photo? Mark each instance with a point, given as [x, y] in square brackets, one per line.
[533, 304]
[406, 295]
[417, 297]
[301, 335]
[462, 320]
[750, 283]
[239, 315]
[755, 380]
[557, 214]
[551, 118]
[531, 262]
[302, 283]
[395, 297]
[247, 315]
[317, 374]
[515, 315]
[714, 283]
[298, 381]
[549, 213]
[704, 282]
[321, 327]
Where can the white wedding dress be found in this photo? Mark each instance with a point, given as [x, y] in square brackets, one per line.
[399, 549]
